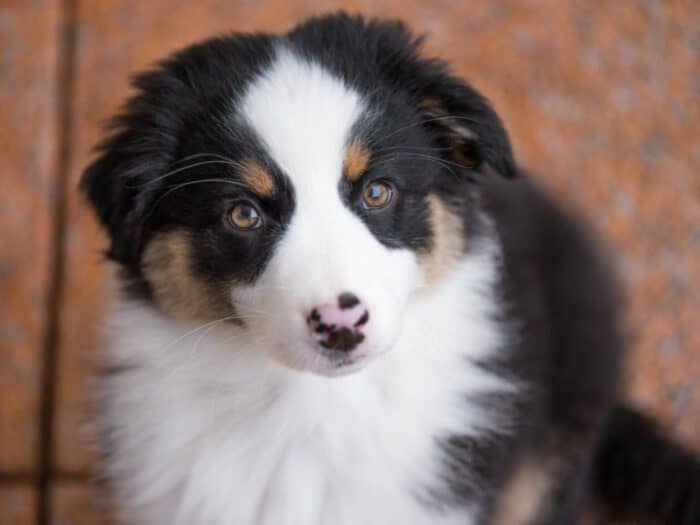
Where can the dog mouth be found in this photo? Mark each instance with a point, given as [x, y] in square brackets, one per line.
[331, 361]
[344, 366]
[316, 358]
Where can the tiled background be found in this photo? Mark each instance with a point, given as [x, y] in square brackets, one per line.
[602, 100]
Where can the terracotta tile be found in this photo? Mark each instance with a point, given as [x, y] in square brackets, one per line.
[600, 102]
[17, 505]
[75, 503]
[28, 36]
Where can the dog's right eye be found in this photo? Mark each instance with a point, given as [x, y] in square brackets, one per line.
[244, 216]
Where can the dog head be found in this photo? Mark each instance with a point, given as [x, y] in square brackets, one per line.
[305, 185]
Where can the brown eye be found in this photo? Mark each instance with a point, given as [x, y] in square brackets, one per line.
[244, 216]
[377, 195]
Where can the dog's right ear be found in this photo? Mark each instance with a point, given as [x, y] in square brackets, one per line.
[105, 184]
[140, 145]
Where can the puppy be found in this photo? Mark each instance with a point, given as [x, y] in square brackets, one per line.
[344, 302]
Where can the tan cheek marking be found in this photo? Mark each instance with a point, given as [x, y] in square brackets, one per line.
[258, 179]
[176, 290]
[357, 159]
[524, 495]
[447, 241]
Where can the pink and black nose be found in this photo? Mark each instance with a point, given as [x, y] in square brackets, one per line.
[339, 326]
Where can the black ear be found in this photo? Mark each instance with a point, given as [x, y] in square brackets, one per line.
[107, 185]
[461, 117]
[467, 127]
[107, 194]
[139, 145]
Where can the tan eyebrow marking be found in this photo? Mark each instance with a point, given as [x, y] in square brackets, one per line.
[258, 178]
[356, 161]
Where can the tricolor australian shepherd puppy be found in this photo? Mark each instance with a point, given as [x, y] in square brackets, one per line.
[344, 302]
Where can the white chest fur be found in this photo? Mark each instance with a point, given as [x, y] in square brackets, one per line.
[205, 429]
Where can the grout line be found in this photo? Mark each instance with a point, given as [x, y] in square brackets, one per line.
[22, 477]
[16, 478]
[64, 123]
[76, 477]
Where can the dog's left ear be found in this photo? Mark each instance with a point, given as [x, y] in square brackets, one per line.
[465, 123]
[467, 126]
[460, 117]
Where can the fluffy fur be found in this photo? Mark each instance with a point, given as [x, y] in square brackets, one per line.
[481, 385]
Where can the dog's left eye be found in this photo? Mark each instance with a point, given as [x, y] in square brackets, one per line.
[377, 195]
[244, 216]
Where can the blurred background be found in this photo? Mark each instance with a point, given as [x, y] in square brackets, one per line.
[601, 99]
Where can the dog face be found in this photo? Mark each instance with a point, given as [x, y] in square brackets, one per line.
[305, 186]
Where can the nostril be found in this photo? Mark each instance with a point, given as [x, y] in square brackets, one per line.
[317, 324]
[314, 316]
[347, 300]
[362, 320]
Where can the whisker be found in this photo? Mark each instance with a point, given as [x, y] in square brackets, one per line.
[205, 329]
[185, 168]
[428, 121]
[430, 157]
[409, 149]
[275, 287]
[250, 314]
[191, 183]
[199, 155]
[444, 163]
[197, 329]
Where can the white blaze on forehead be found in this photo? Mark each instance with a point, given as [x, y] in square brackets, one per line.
[304, 115]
